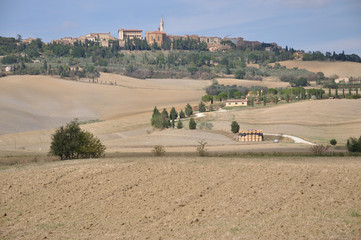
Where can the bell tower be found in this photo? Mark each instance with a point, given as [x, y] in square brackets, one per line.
[161, 26]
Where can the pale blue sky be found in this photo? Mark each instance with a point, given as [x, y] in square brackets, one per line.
[325, 25]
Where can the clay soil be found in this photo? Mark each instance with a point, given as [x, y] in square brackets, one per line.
[183, 198]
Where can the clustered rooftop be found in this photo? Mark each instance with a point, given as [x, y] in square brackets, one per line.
[159, 36]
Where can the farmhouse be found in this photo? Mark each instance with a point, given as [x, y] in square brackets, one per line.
[236, 103]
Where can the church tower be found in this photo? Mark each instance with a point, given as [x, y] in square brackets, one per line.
[161, 27]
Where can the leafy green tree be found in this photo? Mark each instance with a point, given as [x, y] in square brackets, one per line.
[201, 107]
[189, 110]
[239, 74]
[181, 114]
[71, 142]
[264, 101]
[192, 69]
[237, 94]
[179, 124]
[235, 127]
[333, 142]
[192, 124]
[223, 96]
[354, 144]
[77, 52]
[272, 91]
[299, 82]
[207, 98]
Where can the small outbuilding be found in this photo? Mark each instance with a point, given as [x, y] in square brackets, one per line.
[236, 103]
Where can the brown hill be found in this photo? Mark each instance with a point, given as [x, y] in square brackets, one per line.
[341, 69]
[37, 102]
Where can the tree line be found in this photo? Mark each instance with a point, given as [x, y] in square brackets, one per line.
[162, 120]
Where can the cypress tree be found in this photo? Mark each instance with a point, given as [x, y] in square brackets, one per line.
[179, 124]
[192, 124]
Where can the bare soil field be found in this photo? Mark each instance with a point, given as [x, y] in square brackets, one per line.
[341, 69]
[183, 198]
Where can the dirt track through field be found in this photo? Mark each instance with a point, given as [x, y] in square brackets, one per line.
[181, 198]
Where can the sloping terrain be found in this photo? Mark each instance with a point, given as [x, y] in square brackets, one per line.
[38, 102]
[341, 69]
[316, 121]
[183, 198]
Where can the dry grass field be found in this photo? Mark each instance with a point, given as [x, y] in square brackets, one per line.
[270, 82]
[38, 102]
[44, 102]
[315, 121]
[341, 69]
[183, 198]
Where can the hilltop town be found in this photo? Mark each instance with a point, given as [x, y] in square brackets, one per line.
[158, 37]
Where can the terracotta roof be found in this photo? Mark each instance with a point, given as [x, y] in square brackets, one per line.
[159, 32]
[237, 100]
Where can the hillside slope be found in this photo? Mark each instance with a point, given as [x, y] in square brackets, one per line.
[341, 69]
[37, 102]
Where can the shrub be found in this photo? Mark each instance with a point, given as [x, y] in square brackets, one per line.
[239, 74]
[201, 107]
[179, 124]
[192, 124]
[354, 144]
[158, 151]
[319, 149]
[70, 142]
[202, 152]
[333, 142]
[235, 127]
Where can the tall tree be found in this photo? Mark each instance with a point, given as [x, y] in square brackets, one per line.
[181, 114]
[189, 110]
[192, 124]
[173, 114]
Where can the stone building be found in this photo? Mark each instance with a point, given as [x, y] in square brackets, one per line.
[101, 38]
[28, 40]
[65, 41]
[157, 37]
[236, 103]
[129, 33]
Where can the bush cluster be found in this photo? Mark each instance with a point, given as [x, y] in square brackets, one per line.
[354, 144]
[71, 142]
